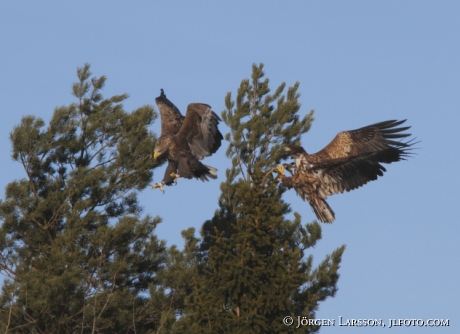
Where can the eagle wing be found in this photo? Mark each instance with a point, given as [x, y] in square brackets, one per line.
[368, 139]
[171, 118]
[354, 157]
[199, 130]
[345, 174]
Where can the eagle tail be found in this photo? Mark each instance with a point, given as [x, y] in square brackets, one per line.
[212, 172]
[207, 171]
[322, 210]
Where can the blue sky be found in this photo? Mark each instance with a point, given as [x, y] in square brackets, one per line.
[358, 62]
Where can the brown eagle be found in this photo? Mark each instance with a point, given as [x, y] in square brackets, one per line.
[184, 141]
[351, 160]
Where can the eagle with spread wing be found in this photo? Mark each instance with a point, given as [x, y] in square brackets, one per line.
[351, 160]
[184, 141]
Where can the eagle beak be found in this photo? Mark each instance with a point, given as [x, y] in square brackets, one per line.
[287, 149]
[156, 155]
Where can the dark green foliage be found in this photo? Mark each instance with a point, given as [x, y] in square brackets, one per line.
[250, 268]
[77, 256]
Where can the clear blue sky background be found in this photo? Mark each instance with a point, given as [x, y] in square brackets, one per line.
[358, 62]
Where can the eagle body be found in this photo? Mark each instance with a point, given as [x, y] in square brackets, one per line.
[184, 141]
[350, 161]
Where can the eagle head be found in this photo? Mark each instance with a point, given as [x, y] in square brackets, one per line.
[161, 147]
[295, 150]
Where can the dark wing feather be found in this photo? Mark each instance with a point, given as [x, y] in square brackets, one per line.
[199, 129]
[171, 118]
[345, 174]
[371, 138]
[354, 158]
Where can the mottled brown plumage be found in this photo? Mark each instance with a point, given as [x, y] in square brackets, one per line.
[186, 140]
[351, 160]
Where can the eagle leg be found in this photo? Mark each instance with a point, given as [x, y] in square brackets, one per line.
[159, 185]
[175, 176]
[289, 168]
[280, 169]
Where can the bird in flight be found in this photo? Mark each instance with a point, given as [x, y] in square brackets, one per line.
[351, 160]
[184, 141]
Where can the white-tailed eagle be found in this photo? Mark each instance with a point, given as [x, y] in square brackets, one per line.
[184, 141]
[351, 160]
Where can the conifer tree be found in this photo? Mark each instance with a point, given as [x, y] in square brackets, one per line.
[77, 255]
[250, 269]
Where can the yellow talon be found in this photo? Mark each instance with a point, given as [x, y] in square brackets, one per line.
[175, 176]
[280, 170]
[158, 185]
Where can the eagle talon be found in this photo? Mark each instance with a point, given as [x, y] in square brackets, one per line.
[175, 176]
[280, 170]
[158, 185]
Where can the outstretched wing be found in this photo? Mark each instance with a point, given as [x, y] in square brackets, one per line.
[171, 118]
[199, 129]
[354, 157]
[345, 174]
[369, 139]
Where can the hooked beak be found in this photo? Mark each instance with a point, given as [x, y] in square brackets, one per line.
[287, 149]
[156, 155]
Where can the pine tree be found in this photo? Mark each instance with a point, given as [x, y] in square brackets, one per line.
[250, 268]
[77, 255]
